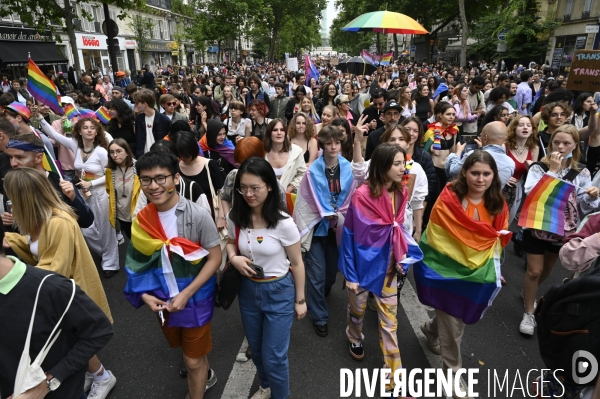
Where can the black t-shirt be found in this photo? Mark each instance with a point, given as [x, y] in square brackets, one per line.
[125, 132]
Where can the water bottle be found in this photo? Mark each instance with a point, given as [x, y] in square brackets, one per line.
[68, 128]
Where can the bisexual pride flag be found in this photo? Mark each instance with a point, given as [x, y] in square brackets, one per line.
[311, 70]
[460, 270]
[544, 207]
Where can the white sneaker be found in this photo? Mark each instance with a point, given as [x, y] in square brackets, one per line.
[433, 343]
[89, 379]
[262, 393]
[463, 388]
[101, 389]
[527, 325]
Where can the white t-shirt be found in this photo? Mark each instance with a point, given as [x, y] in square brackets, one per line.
[149, 135]
[265, 247]
[169, 222]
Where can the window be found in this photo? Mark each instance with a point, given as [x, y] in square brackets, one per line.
[160, 30]
[16, 17]
[588, 6]
[568, 10]
[87, 25]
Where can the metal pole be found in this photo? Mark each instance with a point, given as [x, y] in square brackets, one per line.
[111, 48]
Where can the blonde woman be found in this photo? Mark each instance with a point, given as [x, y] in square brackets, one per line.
[51, 239]
[308, 107]
[330, 112]
[301, 132]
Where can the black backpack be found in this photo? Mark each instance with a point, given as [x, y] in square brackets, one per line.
[568, 320]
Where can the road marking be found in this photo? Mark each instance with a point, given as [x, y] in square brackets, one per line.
[241, 378]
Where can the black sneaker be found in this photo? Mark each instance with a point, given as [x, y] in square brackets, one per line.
[212, 379]
[357, 351]
[109, 273]
[183, 371]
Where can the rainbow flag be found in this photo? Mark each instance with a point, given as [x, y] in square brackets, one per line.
[460, 270]
[48, 162]
[163, 268]
[544, 207]
[103, 115]
[371, 234]
[71, 111]
[368, 56]
[42, 88]
[290, 201]
[386, 58]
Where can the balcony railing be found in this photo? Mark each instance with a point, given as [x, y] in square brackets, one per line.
[585, 14]
[567, 17]
[164, 4]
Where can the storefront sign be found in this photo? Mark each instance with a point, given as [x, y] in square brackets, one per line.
[158, 47]
[17, 34]
[585, 71]
[557, 56]
[580, 43]
[592, 28]
[130, 44]
[91, 42]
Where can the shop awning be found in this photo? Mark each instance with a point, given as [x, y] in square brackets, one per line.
[15, 53]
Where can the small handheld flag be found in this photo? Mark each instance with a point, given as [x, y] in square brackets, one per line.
[48, 162]
[103, 115]
[42, 88]
[71, 111]
[544, 207]
[87, 113]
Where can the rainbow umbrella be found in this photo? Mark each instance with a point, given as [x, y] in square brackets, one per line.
[385, 22]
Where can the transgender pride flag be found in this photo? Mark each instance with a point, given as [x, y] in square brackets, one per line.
[311, 70]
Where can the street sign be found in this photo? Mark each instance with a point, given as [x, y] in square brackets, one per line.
[502, 35]
[592, 28]
[112, 25]
[413, 48]
[502, 47]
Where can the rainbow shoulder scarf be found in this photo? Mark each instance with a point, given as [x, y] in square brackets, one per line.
[370, 235]
[161, 267]
[434, 133]
[460, 271]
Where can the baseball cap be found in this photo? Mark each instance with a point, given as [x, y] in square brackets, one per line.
[118, 88]
[120, 73]
[21, 110]
[67, 100]
[392, 105]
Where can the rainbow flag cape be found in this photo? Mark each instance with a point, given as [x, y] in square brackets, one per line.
[161, 267]
[371, 235]
[71, 111]
[103, 115]
[225, 150]
[42, 88]
[544, 207]
[313, 200]
[460, 270]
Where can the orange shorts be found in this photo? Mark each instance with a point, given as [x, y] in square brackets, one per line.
[196, 341]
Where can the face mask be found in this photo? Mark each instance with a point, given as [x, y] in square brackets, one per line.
[568, 156]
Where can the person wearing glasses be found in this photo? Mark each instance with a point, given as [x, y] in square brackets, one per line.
[342, 102]
[263, 243]
[168, 102]
[183, 299]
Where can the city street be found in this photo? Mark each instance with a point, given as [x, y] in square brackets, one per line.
[145, 367]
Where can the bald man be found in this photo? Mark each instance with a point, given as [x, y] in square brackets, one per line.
[491, 139]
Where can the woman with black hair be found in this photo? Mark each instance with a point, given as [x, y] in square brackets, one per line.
[240, 83]
[122, 124]
[347, 144]
[197, 168]
[497, 113]
[422, 104]
[217, 147]
[293, 105]
[206, 111]
[328, 94]
[264, 242]
[498, 96]
[581, 109]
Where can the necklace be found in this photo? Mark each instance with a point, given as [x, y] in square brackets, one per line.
[520, 150]
[89, 151]
[331, 170]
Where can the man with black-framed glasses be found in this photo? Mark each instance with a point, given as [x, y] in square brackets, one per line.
[184, 248]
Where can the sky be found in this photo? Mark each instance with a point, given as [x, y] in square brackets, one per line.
[331, 12]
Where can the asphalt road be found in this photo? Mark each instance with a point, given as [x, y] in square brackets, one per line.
[145, 367]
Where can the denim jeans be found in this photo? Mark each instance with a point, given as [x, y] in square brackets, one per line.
[267, 311]
[321, 264]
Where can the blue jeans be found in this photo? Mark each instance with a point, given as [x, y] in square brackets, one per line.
[321, 264]
[267, 311]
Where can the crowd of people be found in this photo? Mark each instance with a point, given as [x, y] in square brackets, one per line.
[290, 181]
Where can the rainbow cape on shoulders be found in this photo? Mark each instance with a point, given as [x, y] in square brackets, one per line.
[460, 271]
[161, 267]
